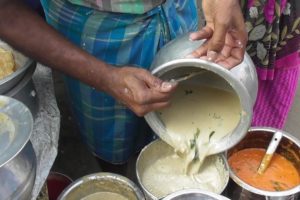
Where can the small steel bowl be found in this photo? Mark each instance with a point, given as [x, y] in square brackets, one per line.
[194, 194]
[17, 157]
[22, 62]
[101, 182]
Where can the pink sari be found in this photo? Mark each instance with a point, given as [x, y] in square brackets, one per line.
[274, 39]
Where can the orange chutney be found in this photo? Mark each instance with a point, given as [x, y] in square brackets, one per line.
[280, 175]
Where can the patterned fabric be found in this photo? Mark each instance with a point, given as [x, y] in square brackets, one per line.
[120, 6]
[274, 39]
[111, 131]
[274, 33]
[275, 98]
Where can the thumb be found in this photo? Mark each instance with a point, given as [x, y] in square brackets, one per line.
[155, 83]
[217, 41]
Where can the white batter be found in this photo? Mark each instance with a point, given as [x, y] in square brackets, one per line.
[167, 175]
[105, 196]
[198, 117]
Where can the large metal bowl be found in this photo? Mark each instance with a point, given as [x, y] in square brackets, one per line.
[101, 182]
[17, 157]
[170, 62]
[259, 137]
[22, 65]
[156, 150]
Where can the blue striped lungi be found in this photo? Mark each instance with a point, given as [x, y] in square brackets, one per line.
[109, 129]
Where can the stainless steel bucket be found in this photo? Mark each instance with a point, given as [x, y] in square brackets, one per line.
[259, 137]
[156, 150]
[170, 62]
[25, 91]
[102, 182]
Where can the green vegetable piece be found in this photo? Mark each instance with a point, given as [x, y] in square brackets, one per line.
[211, 134]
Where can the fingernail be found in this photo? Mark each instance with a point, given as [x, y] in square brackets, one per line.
[203, 57]
[212, 56]
[191, 37]
[189, 56]
[166, 85]
[126, 91]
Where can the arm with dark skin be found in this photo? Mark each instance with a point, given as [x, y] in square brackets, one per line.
[29, 33]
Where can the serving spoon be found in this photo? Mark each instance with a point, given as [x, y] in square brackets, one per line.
[270, 152]
[186, 76]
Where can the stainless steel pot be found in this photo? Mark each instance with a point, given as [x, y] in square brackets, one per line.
[170, 62]
[194, 194]
[22, 65]
[156, 150]
[17, 157]
[25, 91]
[101, 182]
[259, 137]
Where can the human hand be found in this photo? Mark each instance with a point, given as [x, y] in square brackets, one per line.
[225, 32]
[138, 89]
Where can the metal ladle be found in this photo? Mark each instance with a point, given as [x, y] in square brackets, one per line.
[270, 152]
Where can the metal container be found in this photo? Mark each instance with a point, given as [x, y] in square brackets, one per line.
[101, 182]
[156, 150]
[170, 62]
[259, 137]
[22, 65]
[17, 156]
[194, 194]
[25, 91]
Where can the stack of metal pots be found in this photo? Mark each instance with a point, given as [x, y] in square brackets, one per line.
[18, 104]
[19, 84]
[17, 156]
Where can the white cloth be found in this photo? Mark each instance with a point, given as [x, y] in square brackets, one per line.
[46, 126]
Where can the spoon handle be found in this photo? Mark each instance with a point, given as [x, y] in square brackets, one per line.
[186, 76]
[270, 152]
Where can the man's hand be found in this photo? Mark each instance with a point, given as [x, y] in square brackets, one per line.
[225, 32]
[138, 89]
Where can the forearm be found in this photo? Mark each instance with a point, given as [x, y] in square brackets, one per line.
[28, 33]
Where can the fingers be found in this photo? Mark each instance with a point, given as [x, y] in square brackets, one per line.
[155, 83]
[204, 33]
[217, 42]
[201, 51]
[144, 109]
[145, 89]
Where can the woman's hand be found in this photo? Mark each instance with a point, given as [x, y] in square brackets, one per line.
[138, 89]
[225, 32]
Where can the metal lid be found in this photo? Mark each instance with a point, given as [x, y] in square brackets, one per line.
[16, 125]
